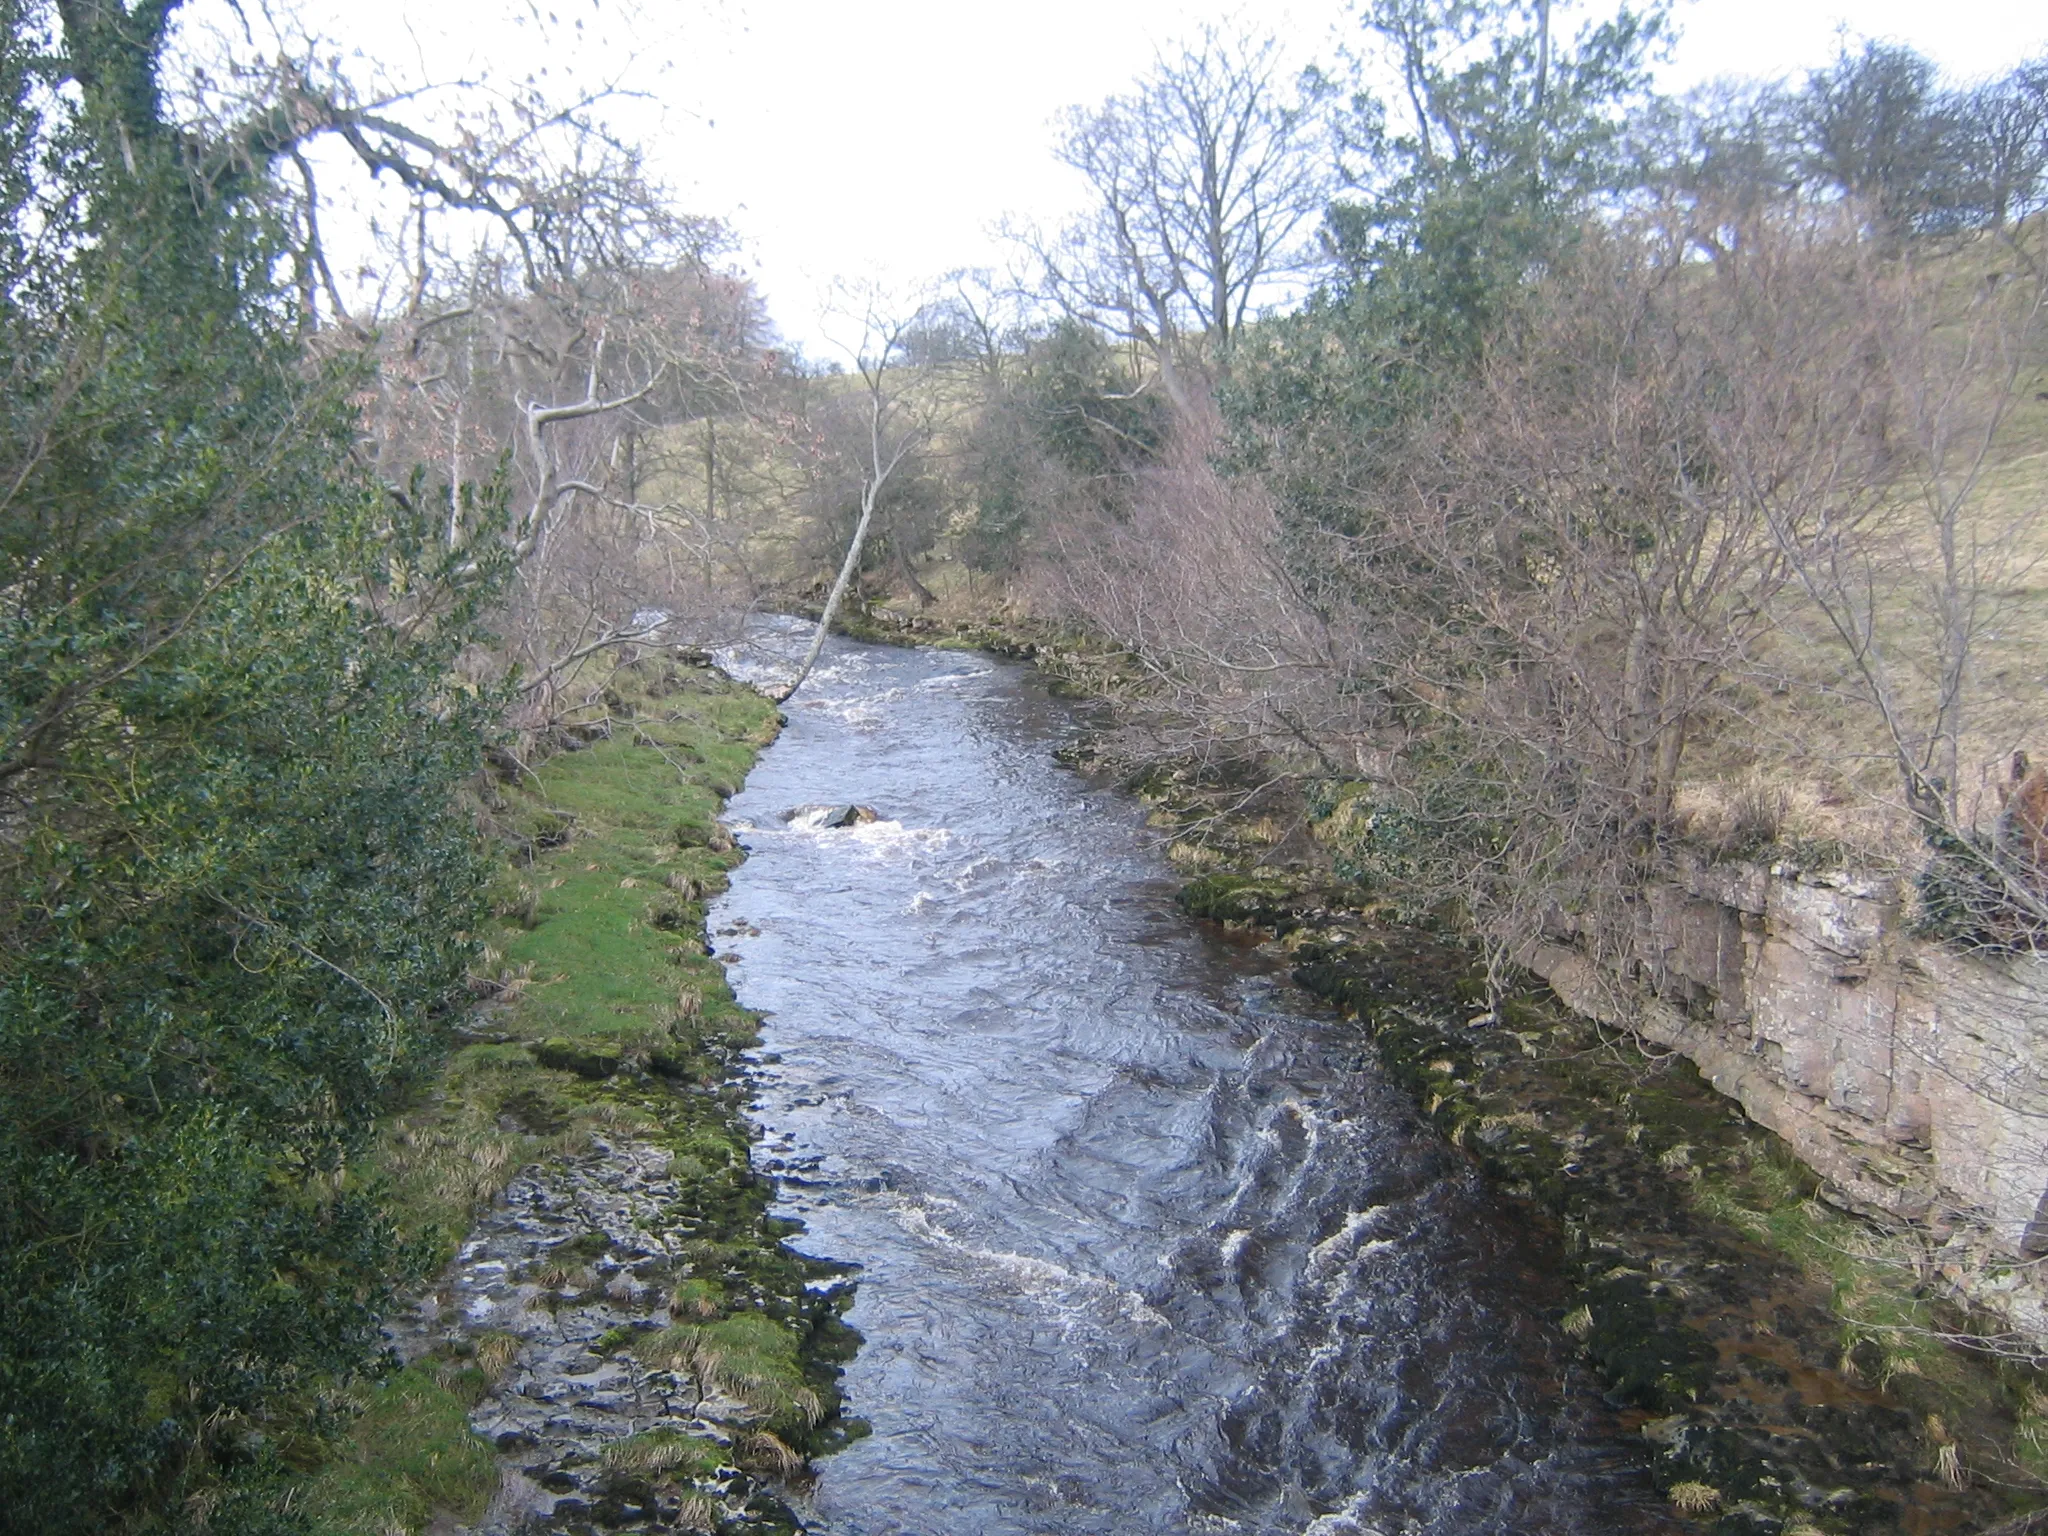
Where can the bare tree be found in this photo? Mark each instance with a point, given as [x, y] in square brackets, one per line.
[593, 403]
[898, 422]
[412, 168]
[1582, 580]
[1206, 179]
[2003, 129]
[1918, 593]
[1876, 127]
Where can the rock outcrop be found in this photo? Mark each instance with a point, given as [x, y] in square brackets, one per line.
[571, 1275]
[1910, 1075]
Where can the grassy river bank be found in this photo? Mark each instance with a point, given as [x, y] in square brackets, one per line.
[601, 1023]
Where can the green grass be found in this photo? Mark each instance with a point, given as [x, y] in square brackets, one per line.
[410, 1456]
[750, 1357]
[599, 960]
[594, 960]
[666, 1453]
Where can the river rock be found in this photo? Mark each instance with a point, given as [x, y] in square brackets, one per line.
[833, 815]
[574, 1385]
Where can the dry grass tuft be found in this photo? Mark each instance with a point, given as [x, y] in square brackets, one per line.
[1694, 1498]
[769, 1453]
[496, 1353]
[1948, 1466]
[1264, 830]
[698, 1513]
[1747, 816]
[653, 1455]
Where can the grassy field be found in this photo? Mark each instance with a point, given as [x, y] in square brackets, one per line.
[1966, 432]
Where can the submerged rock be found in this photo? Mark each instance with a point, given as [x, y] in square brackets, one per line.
[832, 815]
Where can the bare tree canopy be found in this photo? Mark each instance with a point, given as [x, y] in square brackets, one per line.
[897, 423]
[386, 170]
[1207, 179]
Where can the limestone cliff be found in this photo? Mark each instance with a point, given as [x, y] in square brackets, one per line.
[1911, 1076]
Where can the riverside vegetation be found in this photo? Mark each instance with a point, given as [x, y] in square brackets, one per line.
[1783, 1359]
[1630, 475]
[603, 1024]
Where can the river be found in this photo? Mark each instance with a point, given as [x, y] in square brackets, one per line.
[1147, 1244]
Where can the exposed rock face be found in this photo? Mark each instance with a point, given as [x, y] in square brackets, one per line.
[1913, 1077]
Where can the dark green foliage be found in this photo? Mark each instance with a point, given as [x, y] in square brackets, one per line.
[234, 887]
[1064, 426]
[1506, 150]
[1449, 218]
[1971, 895]
[1081, 407]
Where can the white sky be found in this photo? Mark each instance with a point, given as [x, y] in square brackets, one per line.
[882, 139]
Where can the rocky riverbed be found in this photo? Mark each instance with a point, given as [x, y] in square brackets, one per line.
[571, 1290]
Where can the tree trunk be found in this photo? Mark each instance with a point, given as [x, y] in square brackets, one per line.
[923, 593]
[868, 497]
[710, 468]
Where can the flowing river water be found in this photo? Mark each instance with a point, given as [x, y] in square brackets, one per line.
[1146, 1243]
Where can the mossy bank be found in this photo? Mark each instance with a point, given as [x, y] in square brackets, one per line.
[600, 1077]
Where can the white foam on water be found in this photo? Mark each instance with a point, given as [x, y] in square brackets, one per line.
[1334, 1247]
[1347, 1521]
[1040, 1279]
[965, 877]
[883, 839]
[947, 679]
[1232, 1246]
[860, 709]
[872, 839]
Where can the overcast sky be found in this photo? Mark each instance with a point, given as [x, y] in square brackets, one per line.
[882, 139]
[886, 137]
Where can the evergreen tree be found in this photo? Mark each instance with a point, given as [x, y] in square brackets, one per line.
[234, 883]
